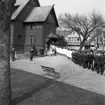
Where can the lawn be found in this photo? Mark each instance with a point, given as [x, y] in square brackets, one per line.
[31, 89]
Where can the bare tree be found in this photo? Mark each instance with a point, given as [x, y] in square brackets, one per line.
[83, 25]
[99, 35]
[6, 8]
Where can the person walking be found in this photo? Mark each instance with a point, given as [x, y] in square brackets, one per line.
[31, 54]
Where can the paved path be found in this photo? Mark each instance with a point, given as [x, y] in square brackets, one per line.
[70, 72]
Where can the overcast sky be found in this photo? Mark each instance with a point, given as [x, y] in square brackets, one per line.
[74, 6]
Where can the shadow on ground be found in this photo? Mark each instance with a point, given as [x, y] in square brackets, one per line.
[31, 89]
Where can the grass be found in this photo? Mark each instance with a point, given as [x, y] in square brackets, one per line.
[31, 89]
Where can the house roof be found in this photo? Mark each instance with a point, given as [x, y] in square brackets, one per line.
[38, 14]
[52, 35]
[19, 9]
[21, 4]
[73, 34]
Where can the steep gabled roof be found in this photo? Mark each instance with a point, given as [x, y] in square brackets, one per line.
[18, 10]
[38, 14]
[52, 35]
[21, 4]
[55, 16]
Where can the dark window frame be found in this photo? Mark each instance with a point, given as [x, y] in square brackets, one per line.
[32, 39]
[19, 37]
[33, 26]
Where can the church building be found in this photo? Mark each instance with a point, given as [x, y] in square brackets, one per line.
[31, 24]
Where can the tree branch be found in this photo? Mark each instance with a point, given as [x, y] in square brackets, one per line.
[91, 30]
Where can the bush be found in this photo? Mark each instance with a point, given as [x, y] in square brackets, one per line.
[86, 61]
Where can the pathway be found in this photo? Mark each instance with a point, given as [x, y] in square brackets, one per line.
[70, 72]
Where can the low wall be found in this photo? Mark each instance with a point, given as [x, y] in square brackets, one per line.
[64, 51]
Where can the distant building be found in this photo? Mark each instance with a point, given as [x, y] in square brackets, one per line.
[74, 40]
[31, 24]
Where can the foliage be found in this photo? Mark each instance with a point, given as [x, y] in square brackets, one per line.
[62, 41]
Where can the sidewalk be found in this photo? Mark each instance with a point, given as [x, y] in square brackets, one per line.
[70, 72]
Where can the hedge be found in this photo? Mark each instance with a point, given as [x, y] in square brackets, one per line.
[90, 61]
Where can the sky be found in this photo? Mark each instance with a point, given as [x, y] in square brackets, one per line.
[75, 6]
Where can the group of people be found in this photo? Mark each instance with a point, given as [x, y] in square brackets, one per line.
[93, 60]
[52, 50]
[33, 51]
[43, 51]
[14, 54]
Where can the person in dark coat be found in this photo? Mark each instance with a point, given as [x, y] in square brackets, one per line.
[42, 51]
[31, 54]
[34, 50]
[13, 54]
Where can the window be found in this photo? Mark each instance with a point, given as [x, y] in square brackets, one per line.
[32, 40]
[19, 37]
[78, 39]
[75, 38]
[69, 38]
[32, 26]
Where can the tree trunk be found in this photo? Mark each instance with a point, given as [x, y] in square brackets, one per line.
[103, 46]
[82, 44]
[5, 86]
[5, 82]
[102, 42]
